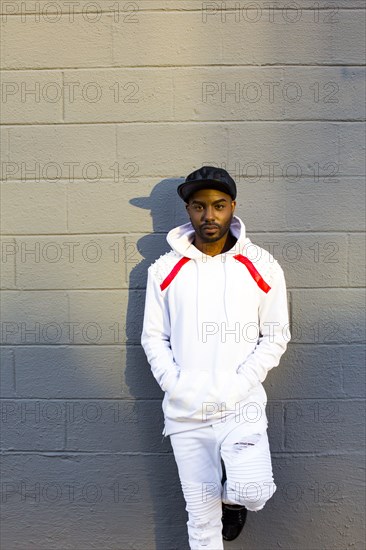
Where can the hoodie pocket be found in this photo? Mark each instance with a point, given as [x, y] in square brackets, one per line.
[190, 389]
[232, 391]
[170, 380]
[173, 389]
[185, 380]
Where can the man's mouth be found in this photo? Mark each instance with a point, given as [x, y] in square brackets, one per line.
[210, 228]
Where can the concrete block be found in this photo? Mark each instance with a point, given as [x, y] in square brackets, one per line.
[353, 149]
[308, 260]
[38, 317]
[324, 425]
[88, 372]
[7, 373]
[119, 95]
[107, 317]
[32, 425]
[160, 142]
[314, 371]
[137, 197]
[329, 93]
[356, 260]
[353, 366]
[335, 316]
[127, 426]
[300, 148]
[7, 263]
[106, 203]
[20, 211]
[4, 137]
[339, 203]
[32, 97]
[69, 371]
[299, 41]
[318, 494]
[62, 152]
[56, 41]
[331, 40]
[75, 261]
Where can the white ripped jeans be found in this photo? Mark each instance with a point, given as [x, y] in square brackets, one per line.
[249, 475]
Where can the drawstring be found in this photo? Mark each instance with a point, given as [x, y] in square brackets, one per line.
[197, 299]
[227, 319]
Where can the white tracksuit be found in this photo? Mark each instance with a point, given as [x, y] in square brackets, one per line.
[213, 328]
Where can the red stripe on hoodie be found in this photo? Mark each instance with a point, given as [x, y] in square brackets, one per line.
[174, 272]
[254, 273]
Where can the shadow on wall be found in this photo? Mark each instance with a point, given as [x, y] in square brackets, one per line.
[168, 517]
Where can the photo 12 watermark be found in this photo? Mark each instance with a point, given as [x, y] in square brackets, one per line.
[70, 172]
[68, 332]
[270, 12]
[292, 171]
[325, 411]
[36, 412]
[311, 492]
[271, 92]
[68, 93]
[70, 252]
[125, 491]
[70, 11]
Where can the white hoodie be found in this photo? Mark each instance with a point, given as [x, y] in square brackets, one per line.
[213, 328]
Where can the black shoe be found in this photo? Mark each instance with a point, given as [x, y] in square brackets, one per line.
[233, 520]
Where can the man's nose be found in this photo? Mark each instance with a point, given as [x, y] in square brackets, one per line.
[209, 214]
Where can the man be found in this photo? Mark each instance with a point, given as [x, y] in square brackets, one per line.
[215, 323]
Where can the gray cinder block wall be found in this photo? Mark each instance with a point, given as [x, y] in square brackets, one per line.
[105, 106]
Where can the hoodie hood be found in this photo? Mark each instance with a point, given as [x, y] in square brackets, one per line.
[180, 239]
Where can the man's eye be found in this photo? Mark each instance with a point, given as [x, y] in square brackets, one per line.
[220, 206]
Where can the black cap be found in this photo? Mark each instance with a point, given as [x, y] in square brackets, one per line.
[207, 177]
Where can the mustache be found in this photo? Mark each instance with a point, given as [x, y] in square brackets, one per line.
[209, 225]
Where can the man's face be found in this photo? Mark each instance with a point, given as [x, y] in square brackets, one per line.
[210, 212]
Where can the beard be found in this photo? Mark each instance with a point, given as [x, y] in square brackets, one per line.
[221, 231]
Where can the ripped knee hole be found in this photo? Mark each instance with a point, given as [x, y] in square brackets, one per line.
[247, 442]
